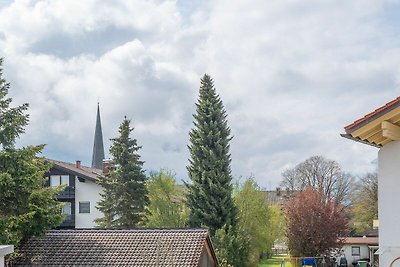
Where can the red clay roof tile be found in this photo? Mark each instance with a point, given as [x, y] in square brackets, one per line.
[378, 112]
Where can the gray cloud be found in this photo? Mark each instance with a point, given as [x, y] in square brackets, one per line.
[291, 75]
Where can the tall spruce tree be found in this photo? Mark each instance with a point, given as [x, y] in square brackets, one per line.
[27, 208]
[124, 198]
[210, 193]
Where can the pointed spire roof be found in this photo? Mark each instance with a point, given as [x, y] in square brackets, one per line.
[98, 148]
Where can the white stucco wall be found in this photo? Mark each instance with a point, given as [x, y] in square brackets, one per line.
[364, 253]
[389, 204]
[4, 251]
[87, 191]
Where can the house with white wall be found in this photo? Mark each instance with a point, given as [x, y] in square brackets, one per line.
[360, 248]
[381, 128]
[82, 192]
[80, 195]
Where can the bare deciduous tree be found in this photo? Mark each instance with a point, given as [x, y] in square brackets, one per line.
[322, 174]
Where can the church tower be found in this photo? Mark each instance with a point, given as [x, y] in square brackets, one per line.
[98, 148]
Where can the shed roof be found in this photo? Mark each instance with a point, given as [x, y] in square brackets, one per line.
[145, 247]
[377, 128]
[361, 240]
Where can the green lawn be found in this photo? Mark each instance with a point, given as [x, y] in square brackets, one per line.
[274, 262]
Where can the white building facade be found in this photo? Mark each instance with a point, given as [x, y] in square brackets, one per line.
[81, 194]
[381, 128]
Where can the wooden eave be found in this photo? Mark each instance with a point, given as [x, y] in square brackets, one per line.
[210, 250]
[377, 130]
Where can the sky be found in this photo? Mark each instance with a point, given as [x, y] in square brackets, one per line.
[291, 75]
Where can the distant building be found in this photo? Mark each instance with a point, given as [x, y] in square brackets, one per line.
[98, 147]
[139, 248]
[360, 248]
[278, 197]
[82, 192]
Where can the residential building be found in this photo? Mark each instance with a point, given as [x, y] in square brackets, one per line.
[381, 129]
[80, 195]
[278, 197]
[139, 248]
[82, 192]
[360, 248]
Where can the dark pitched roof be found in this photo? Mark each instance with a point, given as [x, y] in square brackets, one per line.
[82, 172]
[146, 247]
[98, 148]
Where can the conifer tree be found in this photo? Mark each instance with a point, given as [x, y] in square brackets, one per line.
[27, 208]
[124, 198]
[210, 193]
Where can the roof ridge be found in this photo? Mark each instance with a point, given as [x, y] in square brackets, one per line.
[130, 230]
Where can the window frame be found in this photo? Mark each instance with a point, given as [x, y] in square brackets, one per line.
[58, 179]
[353, 248]
[80, 207]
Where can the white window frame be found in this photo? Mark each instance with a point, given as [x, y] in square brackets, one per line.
[56, 180]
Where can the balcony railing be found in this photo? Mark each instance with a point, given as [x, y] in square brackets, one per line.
[67, 193]
[69, 221]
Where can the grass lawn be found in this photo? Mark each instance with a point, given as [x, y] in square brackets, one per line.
[274, 262]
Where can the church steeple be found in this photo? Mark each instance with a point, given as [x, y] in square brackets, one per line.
[98, 148]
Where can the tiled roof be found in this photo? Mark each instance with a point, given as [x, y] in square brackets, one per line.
[146, 247]
[370, 116]
[83, 171]
[362, 240]
[376, 128]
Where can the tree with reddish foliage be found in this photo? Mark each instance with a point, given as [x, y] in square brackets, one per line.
[315, 224]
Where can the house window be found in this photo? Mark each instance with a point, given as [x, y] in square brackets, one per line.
[56, 180]
[84, 206]
[355, 251]
[67, 210]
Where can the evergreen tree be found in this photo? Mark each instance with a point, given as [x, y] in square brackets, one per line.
[27, 208]
[210, 193]
[124, 198]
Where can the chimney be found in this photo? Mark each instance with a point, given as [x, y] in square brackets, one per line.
[106, 166]
[78, 164]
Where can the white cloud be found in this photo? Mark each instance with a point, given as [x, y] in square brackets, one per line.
[291, 75]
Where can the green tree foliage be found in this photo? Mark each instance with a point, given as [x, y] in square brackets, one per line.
[315, 223]
[167, 206]
[210, 193]
[124, 198]
[232, 247]
[365, 203]
[258, 221]
[26, 207]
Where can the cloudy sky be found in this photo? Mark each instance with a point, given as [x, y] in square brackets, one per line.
[291, 75]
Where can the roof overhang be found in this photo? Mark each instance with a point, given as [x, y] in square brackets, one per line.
[6, 249]
[90, 174]
[377, 128]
